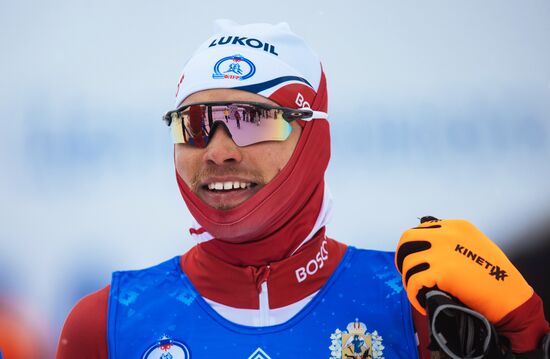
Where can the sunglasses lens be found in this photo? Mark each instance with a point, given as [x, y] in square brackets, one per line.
[247, 124]
[188, 127]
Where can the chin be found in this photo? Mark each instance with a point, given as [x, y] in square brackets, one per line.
[225, 207]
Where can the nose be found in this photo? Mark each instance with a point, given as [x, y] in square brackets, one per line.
[221, 149]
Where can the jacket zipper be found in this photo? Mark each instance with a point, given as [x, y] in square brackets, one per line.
[264, 302]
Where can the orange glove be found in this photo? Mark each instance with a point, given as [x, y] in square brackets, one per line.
[460, 260]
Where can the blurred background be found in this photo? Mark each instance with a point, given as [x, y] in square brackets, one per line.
[437, 108]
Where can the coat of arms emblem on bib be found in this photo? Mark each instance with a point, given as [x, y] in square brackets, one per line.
[356, 343]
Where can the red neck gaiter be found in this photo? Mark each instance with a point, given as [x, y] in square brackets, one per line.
[274, 222]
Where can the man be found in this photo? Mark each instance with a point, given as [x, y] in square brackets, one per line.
[264, 281]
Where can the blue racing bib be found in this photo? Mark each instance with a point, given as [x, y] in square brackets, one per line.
[361, 312]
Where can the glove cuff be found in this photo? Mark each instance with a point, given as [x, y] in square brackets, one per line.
[525, 326]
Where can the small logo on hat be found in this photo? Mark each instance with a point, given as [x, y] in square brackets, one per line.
[235, 67]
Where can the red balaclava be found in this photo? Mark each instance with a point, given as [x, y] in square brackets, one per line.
[294, 206]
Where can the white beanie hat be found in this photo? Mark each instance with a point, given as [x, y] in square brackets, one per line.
[259, 58]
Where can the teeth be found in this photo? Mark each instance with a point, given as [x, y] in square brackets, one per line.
[229, 185]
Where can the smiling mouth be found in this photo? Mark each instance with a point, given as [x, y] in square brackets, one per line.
[228, 186]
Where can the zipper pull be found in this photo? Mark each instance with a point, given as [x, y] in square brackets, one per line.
[261, 277]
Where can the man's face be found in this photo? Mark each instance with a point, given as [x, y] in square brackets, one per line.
[224, 164]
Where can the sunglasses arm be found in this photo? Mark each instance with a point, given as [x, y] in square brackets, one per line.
[315, 115]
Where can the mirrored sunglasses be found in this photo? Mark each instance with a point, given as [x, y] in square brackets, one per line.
[246, 122]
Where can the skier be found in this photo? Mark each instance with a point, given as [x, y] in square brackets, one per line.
[234, 114]
[264, 278]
